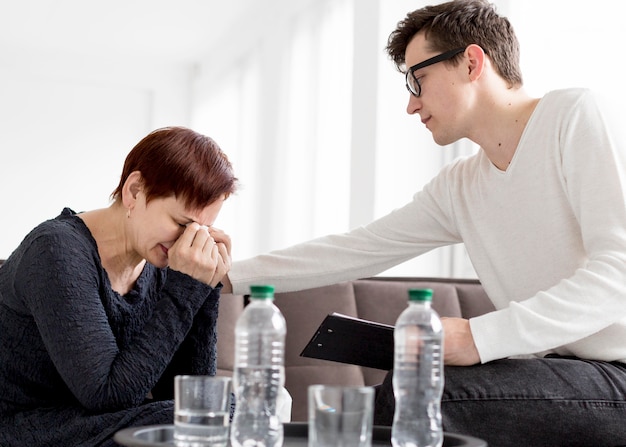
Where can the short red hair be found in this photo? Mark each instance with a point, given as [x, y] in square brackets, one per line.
[176, 161]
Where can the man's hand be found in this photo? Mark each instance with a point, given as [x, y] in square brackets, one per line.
[459, 348]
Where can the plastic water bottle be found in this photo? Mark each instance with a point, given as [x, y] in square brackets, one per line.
[418, 374]
[259, 373]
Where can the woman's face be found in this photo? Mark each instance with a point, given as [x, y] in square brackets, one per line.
[158, 224]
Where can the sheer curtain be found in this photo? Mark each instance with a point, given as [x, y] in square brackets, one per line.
[280, 109]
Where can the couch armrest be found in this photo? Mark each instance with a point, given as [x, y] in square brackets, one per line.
[230, 308]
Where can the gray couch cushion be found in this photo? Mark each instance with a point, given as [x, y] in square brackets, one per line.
[383, 301]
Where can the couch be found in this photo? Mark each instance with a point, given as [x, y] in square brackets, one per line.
[380, 299]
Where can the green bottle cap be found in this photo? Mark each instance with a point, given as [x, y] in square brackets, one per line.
[262, 291]
[420, 294]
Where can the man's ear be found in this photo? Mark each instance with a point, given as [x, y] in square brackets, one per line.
[132, 186]
[476, 57]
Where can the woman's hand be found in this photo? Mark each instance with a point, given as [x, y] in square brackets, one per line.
[459, 348]
[200, 255]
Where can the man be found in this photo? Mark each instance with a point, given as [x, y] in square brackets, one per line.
[541, 209]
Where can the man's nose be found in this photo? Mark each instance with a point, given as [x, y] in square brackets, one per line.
[414, 105]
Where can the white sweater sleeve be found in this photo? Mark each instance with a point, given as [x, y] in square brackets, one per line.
[416, 228]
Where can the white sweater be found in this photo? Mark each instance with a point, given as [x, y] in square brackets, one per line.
[547, 238]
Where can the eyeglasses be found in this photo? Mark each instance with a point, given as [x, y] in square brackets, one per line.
[412, 83]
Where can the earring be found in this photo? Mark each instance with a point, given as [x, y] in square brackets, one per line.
[128, 213]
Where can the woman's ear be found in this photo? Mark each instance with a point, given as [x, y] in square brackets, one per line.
[476, 57]
[132, 186]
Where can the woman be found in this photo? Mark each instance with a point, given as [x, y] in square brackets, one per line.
[99, 310]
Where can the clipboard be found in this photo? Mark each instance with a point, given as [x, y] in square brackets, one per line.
[345, 339]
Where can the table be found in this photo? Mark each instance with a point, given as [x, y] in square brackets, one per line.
[296, 435]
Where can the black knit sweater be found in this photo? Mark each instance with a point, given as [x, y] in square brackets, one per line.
[77, 359]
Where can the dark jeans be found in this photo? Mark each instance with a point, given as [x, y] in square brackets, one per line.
[553, 401]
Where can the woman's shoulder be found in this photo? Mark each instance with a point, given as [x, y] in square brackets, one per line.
[63, 236]
[66, 225]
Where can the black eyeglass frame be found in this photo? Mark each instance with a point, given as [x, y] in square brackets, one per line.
[433, 60]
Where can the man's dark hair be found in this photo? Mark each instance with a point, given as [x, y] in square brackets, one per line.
[457, 24]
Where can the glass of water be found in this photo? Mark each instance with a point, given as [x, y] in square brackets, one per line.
[340, 416]
[201, 411]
